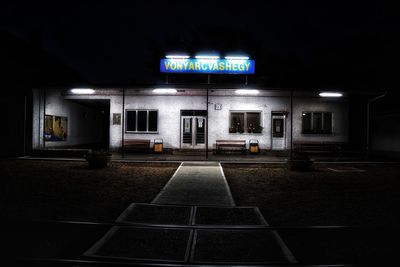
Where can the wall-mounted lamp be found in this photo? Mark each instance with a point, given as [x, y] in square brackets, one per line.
[177, 56]
[164, 91]
[82, 91]
[330, 94]
[247, 92]
[237, 57]
[207, 57]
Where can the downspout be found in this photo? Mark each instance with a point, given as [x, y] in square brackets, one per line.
[291, 124]
[38, 112]
[25, 110]
[368, 148]
[207, 126]
[44, 118]
[123, 123]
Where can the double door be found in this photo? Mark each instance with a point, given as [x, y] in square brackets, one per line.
[193, 132]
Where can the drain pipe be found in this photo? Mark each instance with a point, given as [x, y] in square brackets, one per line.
[25, 110]
[291, 124]
[368, 148]
[44, 118]
[207, 126]
[123, 124]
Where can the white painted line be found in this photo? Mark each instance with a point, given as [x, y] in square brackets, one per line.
[288, 254]
[227, 186]
[167, 184]
[125, 213]
[91, 252]
[349, 169]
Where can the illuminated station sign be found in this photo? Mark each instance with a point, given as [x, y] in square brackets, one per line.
[207, 65]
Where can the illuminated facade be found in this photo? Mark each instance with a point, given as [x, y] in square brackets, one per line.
[182, 118]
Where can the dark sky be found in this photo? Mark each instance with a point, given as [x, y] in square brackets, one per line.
[121, 41]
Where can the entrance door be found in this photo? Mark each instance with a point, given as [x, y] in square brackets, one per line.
[278, 131]
[193, 132]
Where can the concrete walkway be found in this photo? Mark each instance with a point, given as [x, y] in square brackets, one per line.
[197, 184]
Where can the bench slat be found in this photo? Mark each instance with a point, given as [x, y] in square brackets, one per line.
[224, 144]
[136, 145]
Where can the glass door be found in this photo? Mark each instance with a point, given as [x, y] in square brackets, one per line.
[278, 131]
[193, 132]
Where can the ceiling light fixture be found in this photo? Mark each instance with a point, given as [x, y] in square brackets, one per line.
[247, 92]
[82, 91]
[164, 91]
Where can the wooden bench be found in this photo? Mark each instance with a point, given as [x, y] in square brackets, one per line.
[318, 147]
[230, 145]
[136, 145]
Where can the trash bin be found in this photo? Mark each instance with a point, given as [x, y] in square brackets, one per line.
[253, 146]
[158, 145]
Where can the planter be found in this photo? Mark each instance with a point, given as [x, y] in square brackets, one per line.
[98, 160]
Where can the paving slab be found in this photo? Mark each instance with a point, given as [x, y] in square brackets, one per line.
[143, 244]
[229, 217]
[197, 184]
[237, 247]
[142, 213]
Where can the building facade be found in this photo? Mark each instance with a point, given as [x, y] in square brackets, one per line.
[185, 118]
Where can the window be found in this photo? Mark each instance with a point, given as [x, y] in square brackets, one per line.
[142, 121]
[278, 127]
[316, 123]
[245, 122]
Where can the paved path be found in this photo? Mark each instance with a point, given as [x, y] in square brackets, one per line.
[193, 220]
[198, 184]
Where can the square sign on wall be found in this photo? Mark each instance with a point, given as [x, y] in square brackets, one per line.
[218, 106]
[116, 118]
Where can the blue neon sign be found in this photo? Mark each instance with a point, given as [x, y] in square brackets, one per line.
[207, 66]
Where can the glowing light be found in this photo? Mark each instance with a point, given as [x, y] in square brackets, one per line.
[236, 57]
[247, 92]
[207, 57]
[330, 94]
[177, 56]
[82, 91]
[164, 91]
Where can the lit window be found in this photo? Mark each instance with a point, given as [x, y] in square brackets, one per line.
[245, 122]
[141, 121]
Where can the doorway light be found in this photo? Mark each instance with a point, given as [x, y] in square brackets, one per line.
[247, 92]
[164, 91]
[82, 91]
[330, 94]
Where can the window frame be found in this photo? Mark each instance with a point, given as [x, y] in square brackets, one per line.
[319, 131]
[137, 122]
[244, 112]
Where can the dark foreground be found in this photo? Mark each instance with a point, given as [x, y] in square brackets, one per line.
[366, 201]
[66, 190]
[330, 194]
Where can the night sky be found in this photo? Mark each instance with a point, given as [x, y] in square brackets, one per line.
[324, 43]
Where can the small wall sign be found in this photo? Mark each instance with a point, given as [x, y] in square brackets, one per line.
[218, 106]
[116, 118]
